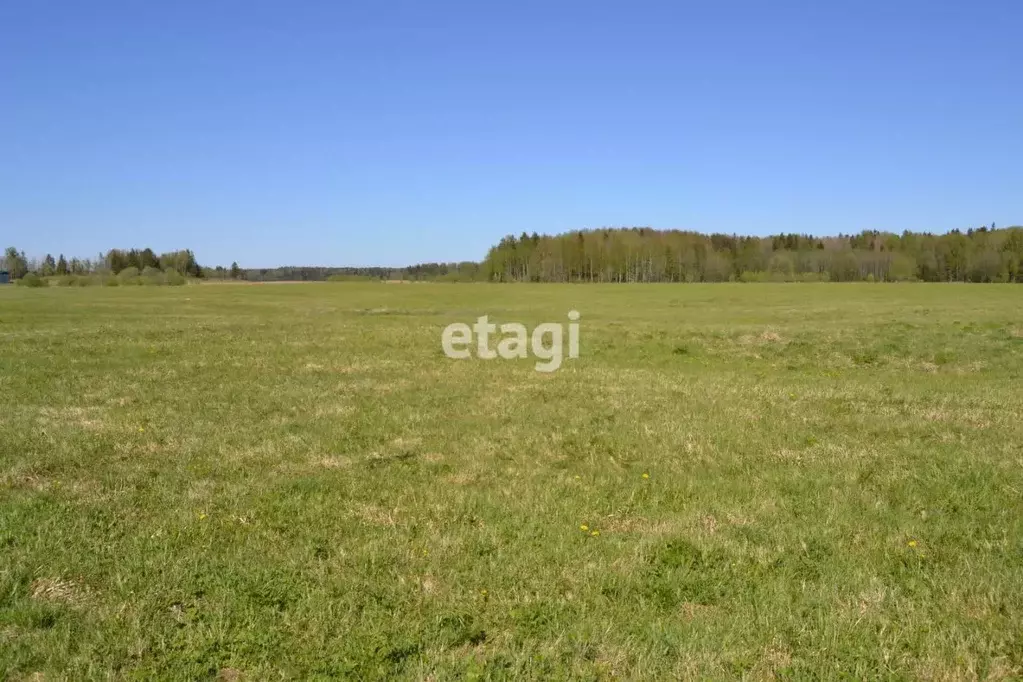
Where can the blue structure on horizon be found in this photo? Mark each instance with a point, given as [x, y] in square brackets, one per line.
[5, 277]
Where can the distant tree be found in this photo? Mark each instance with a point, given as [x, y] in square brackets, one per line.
[116, 260]
[15, 263]
[781, 266]
[61, 265]
[182, 261]
[901, 269]
[49, 266]
[236, 272]
[986, 267]
[147, 259]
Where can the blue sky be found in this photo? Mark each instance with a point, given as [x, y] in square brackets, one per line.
[361, 133]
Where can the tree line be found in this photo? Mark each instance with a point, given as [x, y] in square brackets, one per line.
[113, 262]
[647, 255]
[116, 266]
[129, 263]
[466, 271]
[637, 254]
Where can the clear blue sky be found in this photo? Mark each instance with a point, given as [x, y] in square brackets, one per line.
[358, 133]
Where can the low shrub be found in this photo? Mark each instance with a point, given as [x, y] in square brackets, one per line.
[32, 280]
[152, 276]
[173, 278]
[129, 276]
[351, 278]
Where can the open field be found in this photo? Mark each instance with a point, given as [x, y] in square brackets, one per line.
[260, 482]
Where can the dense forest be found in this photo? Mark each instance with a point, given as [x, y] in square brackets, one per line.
[638, 254]
[647, 255]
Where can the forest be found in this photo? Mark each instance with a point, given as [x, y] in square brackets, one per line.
[646, 255]
[114, 262]
[636, 254]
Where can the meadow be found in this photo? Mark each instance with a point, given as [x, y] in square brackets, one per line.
[797, 481]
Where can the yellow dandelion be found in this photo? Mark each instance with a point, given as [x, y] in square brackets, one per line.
[202, 515]
[646, 475]
[584, 527]
[595, 533]
[912, 543]
[141, 430]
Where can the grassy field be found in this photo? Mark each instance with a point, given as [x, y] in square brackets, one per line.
[283, 482]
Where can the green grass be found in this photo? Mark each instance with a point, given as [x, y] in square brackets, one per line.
[288, 482]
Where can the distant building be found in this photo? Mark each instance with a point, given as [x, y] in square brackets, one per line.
[5, 277]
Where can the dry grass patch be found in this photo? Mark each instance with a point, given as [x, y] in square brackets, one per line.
[931, 669]
[428, 584]
[765, 337]
[58, 590]
[87, 418]
[26, 481]
[375, 515]
[691, 610]
[772, 664]
[334, 462]
[871, 599]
